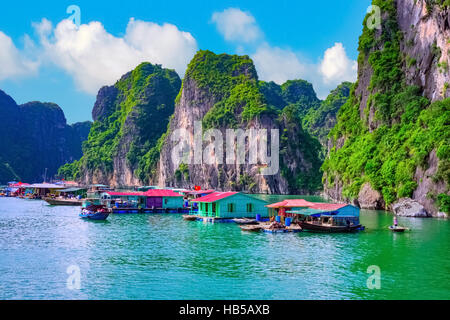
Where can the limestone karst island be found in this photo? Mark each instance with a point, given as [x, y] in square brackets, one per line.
[223, 152]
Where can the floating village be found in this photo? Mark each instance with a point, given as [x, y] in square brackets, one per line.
[251, 214]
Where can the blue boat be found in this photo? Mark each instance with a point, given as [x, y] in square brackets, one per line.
[95, 215]
[93, 211]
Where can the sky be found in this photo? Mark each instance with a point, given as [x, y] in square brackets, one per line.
[51, 54]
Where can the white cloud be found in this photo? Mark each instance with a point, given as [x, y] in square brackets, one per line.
[279, 65]
[237, 25]
[13, 62]
[336, 66]
[276, 64]
[94, 57]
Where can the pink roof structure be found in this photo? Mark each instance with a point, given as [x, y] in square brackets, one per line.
[298, 203]
[291, 203]
[328, 206]
[201, 191]
[215, 196]
[161, 193]
[149, 193]
[125, 194]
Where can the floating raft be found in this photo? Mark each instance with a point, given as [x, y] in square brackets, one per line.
[398, 229]
[126, 210]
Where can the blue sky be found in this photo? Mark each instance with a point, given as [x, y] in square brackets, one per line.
[316, 41]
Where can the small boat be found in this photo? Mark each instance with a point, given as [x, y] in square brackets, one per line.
[251, 227]
[63, 202]
[189, 217]
[245, 221]
[397, 229]
[95, 212]
[315, 227]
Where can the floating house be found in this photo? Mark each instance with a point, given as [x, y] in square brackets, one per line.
[72, 192]
[198, 193]
[281, 208]
[229, 205]
[153, 200]
[44, 189]
[300, 208]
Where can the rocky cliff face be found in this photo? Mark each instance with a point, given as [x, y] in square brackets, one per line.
[222, 92]
[36, 139]
[426, 32]
[392, 137]
[129, 118]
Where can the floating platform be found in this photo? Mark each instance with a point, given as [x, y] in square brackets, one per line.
[149, 210]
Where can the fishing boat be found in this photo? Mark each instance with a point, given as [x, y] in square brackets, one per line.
[397, 229]
[95, 212]
[328, 217]
[189, 217]
[63, 202]
[251, 227]
[329, 228]
[245, 221]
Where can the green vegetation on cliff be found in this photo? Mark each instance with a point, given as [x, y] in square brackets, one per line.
[141, 107]
[232, 81]
[399, 127]
[240, 98]
[319, 121]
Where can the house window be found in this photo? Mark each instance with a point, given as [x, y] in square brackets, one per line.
[249, 207]
[231, 207]
[165, 201]
[206, 207]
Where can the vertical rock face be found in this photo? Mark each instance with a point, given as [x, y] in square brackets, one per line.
[222, 92]
[129, 117]
[37, 140]
[392, 136]
[426, 30]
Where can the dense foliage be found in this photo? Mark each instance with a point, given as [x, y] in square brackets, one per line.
[319, 121]
[233, 83]
[399, 128]
[141, 109]
[240, 98]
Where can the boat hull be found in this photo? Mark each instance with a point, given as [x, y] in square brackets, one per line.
[329, 229]
[397, 229]
[95, 216]
[63, 202]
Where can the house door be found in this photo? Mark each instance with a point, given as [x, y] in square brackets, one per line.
[154, 202]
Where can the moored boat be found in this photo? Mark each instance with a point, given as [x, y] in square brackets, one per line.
[321, 227]
[63, 202]
[95, 212]
[251, 227]
[245, 221]
[189, 217]
[397, 229]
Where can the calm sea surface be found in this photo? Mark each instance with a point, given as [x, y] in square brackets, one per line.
[164, 257]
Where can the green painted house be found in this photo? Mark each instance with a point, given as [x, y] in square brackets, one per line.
[230, 205]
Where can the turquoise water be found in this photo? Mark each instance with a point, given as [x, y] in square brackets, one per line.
[164, 257]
